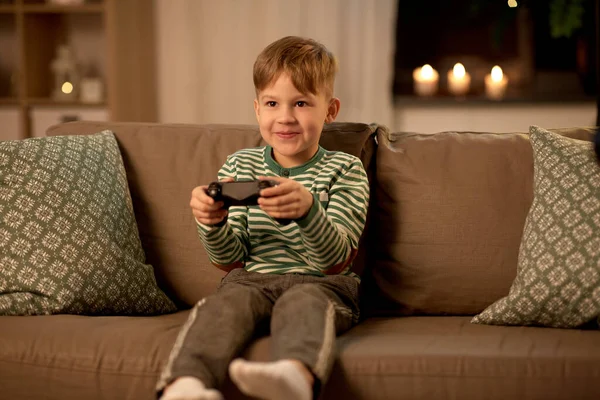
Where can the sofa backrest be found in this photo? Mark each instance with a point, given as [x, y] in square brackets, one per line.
[444, 227]
[450, 213]
[164, 162]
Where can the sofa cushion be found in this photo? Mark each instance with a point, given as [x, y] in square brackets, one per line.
[47, 357]
[450, 215]
[448, 358]
[164, 162]
[558, 279]
[68, 237]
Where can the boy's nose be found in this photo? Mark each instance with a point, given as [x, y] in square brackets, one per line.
[286, 115]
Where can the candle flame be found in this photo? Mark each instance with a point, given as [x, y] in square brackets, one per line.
[67, 88]
[512, 3]
[459, 70]
[497, 74]
[426, 71]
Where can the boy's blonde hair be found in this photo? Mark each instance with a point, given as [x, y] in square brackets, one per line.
[309, 64]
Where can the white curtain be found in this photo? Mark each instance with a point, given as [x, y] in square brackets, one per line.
[206, 50]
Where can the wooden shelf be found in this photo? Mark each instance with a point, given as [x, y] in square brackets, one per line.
[48, 102]
[111, 39]
[9, 101]
[56, 9]
[8, 9]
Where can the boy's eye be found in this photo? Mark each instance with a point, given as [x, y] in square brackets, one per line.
[271, 104]
[301, 104]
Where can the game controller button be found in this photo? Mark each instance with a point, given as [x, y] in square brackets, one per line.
[264, 184]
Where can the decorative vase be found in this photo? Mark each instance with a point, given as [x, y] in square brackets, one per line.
[92, 90]
[66, 75]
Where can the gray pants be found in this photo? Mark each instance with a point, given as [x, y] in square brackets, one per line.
[305, 314]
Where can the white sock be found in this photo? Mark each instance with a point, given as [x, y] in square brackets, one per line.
[190, 388]
[270, 380]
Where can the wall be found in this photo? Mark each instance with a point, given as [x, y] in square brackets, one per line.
[491, 117]
[206, 50]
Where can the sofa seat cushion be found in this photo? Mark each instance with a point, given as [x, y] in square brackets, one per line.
[87, 357]
[449, 358]
[381, 358]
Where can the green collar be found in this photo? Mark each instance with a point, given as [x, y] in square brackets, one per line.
[287, 172]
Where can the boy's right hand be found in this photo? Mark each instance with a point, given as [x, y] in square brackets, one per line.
[205, 209]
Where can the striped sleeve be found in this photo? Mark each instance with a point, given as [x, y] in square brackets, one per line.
[331, 235]
[227, 245]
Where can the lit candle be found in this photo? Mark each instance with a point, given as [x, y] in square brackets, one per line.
[459, 80]
[495, 84]
[425, 80]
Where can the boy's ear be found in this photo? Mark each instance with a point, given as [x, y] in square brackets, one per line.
[256, 110]
[332, 110]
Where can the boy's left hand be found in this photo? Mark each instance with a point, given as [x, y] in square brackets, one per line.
[288, 200]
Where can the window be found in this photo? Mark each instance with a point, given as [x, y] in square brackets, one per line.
[483, 33]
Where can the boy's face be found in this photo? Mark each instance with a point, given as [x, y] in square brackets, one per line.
[291, 121]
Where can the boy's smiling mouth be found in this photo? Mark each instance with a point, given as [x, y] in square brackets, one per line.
[286, 135]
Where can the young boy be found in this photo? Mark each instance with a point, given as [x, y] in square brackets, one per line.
[294, 276]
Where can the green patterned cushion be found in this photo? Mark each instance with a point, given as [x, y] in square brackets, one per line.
[558, 275]
[69, 241]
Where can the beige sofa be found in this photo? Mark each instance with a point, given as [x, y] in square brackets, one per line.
[441, 244]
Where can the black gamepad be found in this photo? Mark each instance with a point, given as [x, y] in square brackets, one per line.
[241, 193]
[238, 193]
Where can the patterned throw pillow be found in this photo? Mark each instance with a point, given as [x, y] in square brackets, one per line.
[558, 275]
[69, 241]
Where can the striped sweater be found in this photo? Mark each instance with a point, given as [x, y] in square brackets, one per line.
[323, 242]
